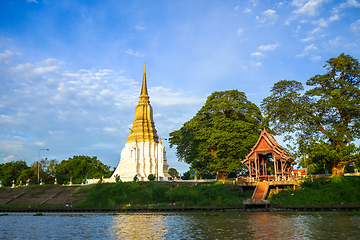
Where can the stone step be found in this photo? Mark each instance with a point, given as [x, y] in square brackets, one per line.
[260, 191]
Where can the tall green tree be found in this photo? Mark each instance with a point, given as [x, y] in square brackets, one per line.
[173, 172]
[324, 120]
[10, 171]
[46, 172]
[80, 167]
[220, 134]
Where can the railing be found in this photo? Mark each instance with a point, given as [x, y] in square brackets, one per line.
[267, 178]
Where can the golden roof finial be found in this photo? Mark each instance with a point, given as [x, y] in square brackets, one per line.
[144, 87]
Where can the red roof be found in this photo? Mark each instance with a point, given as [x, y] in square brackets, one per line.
[267, 144]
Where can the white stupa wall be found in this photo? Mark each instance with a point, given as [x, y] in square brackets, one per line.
[140, 158]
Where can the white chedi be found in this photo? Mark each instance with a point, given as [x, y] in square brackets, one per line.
[141, 159]
[143, 154]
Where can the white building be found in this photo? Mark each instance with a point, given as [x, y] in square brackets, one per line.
[143, 154]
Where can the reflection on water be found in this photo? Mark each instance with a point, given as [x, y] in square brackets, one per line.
[181, 226]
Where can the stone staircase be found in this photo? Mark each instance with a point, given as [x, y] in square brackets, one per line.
[260, 191]
[41, 195]
[259, 195]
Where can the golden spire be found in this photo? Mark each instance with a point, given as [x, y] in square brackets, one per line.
[144, 87]
[143, 129]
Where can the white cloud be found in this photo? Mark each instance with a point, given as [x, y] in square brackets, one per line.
[5, 119]
[321, 22]
[106, 92]
[50, 60]
[350, 3]
[315, 58]
[255, 65]
[280, 4]
[131, 52]
[41, 70]
[355, 27]
[308, 39]
[307, 50]
[166, 97]
[6, 54]
[34, 1]
[258, 54]
[315, 30]
[253, 2]
[247, 10]
[39, 144]
[9, 158]
[269, 17]
[297, 29]
[311, 47]
[306, 7]
[21, 67]
[336, 41]
[108, 129]
[334, 17]
[240, 32]
[325, 23]
[138, 27]
[268, 47]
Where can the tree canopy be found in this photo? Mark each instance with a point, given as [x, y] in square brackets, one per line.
[10, 171]
[173, 172]
[220, 134]
[324, 120]
[80, 167]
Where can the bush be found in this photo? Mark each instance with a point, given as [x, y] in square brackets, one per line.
[322, 191]
[151, 177]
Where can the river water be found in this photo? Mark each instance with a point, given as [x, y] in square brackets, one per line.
[241, 225]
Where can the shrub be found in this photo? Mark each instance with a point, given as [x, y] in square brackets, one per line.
[151, 177]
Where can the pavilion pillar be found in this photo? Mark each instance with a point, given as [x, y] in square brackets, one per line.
[250, 167]
[265, 169]
[256, 170]
[275, 165]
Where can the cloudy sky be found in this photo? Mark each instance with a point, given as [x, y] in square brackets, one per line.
[71, 71]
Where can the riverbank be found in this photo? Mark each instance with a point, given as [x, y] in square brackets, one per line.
[321, 191]
[124, 194]
[319, 194]
[354, 209]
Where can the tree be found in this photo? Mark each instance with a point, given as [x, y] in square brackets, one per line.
[186, 175]
[80, 167]
[220, 134]
[29, 173]
[173, 172]
[10, 171]
[324, 121]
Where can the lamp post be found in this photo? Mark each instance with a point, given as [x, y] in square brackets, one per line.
[39, 162]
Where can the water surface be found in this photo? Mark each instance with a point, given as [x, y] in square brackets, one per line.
[249, 225]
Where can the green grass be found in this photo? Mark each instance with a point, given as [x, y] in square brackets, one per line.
[322, 191]
[126, 194]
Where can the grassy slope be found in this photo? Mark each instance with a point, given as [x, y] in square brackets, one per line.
[322, 191]
[160, 194]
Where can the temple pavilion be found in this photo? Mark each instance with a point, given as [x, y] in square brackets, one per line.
[143, 154]
[268, 160]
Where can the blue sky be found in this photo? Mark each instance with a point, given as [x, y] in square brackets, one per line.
[71, 71]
